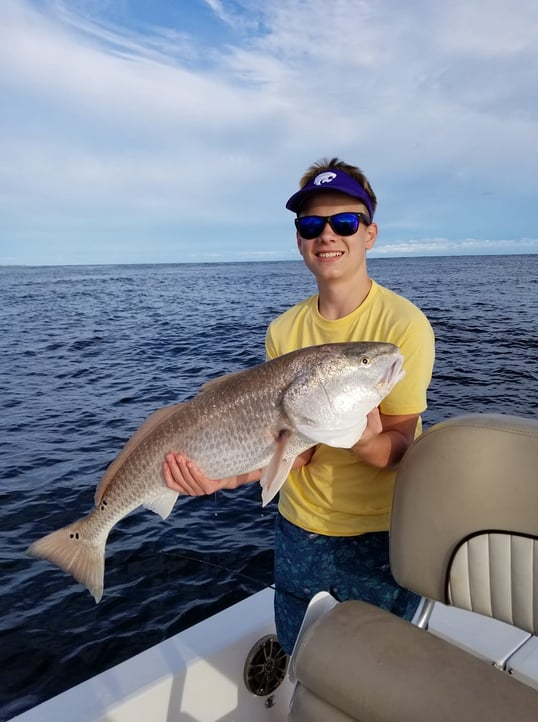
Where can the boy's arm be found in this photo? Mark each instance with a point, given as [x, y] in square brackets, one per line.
[385, 439]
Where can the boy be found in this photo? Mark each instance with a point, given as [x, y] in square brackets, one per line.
[334, 509]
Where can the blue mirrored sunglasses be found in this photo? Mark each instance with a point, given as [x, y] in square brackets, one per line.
[343, 224]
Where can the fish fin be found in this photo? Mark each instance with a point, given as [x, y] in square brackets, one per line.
[272, 484]
[276, 472]
[163, 503]
[71, 552]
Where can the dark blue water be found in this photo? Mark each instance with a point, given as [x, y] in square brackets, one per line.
[88, 352]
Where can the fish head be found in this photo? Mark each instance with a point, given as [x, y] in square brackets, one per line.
[371, 367]
[339, 386]
[359, 374]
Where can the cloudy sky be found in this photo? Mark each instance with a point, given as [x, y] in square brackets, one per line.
[136, 131]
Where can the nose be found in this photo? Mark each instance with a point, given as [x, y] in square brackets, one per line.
[327, 232]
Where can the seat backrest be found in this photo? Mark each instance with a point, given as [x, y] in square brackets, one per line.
[464, 531]
[464, 525]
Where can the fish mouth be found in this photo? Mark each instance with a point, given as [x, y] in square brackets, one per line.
[393, 374]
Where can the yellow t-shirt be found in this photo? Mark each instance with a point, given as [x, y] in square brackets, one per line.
[336, 494]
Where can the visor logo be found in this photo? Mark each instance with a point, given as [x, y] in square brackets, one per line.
[323, 178]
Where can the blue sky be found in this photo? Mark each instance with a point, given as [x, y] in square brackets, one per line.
[148, 131]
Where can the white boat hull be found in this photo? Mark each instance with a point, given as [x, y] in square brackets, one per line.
[198, 675]
[195, 676]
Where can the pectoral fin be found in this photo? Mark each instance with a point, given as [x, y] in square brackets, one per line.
[277, 470]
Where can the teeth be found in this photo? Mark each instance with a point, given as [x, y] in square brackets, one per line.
[333, 254]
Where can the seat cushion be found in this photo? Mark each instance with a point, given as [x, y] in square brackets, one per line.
[372, 666]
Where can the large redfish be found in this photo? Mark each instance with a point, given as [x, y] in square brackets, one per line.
[259, 418]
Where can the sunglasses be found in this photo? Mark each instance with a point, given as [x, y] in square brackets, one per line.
[343, 224]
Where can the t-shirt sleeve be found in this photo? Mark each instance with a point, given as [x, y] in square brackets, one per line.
[417, 345]
[270, 346]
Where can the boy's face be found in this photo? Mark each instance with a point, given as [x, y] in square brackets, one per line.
[330, 256]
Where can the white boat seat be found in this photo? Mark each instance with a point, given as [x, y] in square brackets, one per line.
[464, 532]
[465, 517]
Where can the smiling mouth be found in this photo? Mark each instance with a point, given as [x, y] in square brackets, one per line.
[329, 254]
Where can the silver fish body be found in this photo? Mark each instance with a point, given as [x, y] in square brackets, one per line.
[259, 418]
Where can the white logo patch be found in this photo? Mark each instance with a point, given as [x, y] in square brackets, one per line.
[322, 178]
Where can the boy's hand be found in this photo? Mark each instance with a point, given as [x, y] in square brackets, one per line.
[374, 427]
[182, 475]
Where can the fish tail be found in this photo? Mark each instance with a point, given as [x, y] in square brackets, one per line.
[71, 550]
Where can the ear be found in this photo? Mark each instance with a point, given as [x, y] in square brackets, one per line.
[371, 236]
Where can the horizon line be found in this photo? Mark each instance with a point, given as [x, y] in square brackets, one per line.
[258, 260]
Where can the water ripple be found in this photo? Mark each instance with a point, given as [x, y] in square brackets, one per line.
[89, 352]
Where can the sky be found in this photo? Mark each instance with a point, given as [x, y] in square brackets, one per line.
[173, 131]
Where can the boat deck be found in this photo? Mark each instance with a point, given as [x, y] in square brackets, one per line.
[197, 675]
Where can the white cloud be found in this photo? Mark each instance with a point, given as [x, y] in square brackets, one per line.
[465, 246]
[219, 9]
[436, 101]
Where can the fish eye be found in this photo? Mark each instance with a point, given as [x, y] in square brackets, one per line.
[364, 360]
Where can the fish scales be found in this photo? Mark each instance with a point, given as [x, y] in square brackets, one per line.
[262, 417]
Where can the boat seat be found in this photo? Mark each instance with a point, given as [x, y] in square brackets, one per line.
[464, 532]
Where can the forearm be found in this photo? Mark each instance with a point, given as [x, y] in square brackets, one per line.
[385, 439]
[384, 451]
[233, 482]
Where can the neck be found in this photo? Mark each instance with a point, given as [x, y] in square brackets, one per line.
[337, 301]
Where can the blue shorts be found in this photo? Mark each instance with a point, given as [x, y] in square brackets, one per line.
[355, 567]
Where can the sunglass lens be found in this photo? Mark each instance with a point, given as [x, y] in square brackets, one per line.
[345, 224]
[310, 226]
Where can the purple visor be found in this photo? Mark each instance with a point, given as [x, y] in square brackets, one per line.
[331, 180]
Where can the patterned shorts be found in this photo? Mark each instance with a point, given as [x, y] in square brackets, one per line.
[355, 567]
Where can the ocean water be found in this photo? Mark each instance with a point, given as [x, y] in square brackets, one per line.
[88, 352]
